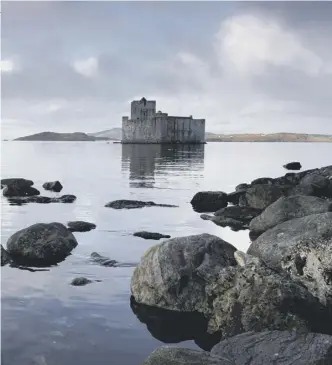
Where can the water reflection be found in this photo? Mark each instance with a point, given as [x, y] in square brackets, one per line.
[144, 162]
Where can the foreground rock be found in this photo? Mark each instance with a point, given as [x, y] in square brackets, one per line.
[53, 186]
[303, 248]
[276, 347]
[235, 217]
[173, 274]
[41, 244]
[135, 204]
[80, 281]
[80, 226]
[252, 348]
[5, 257]
[287, 208]
[293, 166]
[209, 201]
[150, 235]
[41, 199]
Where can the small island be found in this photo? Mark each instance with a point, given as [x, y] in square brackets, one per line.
[52, 136]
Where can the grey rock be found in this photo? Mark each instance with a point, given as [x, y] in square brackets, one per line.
[255, 297]
[209, 201]
[242, 187]
[5, 257]
[315, 184]
[135, 204]
[53, 186]
[80, 226]
[41, 199]
[68, 198]
[223, 221]
[293, 166]
[174, 274]
[18, 182]
[150, 235]
[80, 281]
[303, 248]
[234, 197]
[41, 244]
[276, 347]
[263, 181]
[260, 196]
[102, 260]
[178, 356]
[20, 191]
[287, 208]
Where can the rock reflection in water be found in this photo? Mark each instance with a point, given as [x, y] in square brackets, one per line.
[174, 327]
[145, 160]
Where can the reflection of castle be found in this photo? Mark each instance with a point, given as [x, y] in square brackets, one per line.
[145, 160]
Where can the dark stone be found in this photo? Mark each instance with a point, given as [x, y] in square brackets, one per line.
[260, 196]
[42, 244]
[151, 235]
[102, 260]
[209, 201]
[293, 166]
[64, 199]
[41, 199]
[53, 186]
[80, 226]
[5, 257]
[80, 281]
[302, 247]
[222, 221]
[135, 204]
[275, 347]
[316, 185]
[18, 182]
[19, 191]
[234, 197]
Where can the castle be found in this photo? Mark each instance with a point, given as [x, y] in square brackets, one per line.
[147, 126]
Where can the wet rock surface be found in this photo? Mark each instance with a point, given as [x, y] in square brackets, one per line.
[209, 201]
[150, 235]
[42, 244]
[135, 204]
[53, 186]
[80, 226]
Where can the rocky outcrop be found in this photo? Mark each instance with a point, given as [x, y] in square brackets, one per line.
[293, 166]
[41, 199]
[80, 281]
[80, 226]
[42, 244]
[303, 248]
[5, 257]
[287, 208]
[174, 274]
[209, 201]
[135, 204]
[260, 196]
[150, 235]
[53, 186]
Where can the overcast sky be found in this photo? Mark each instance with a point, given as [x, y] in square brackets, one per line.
[245, 67]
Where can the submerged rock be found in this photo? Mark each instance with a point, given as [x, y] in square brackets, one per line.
[209, 201]
[135, 204]
[102, 260]
[53, 186]
[42, 244]
[173, 275]
[293, 166]
[303, 248]
[287, 208]
[80, 281]
[5, 257]
[150, 235]
[80, 226]
[68, 198]
[41, 199]
[275, 347]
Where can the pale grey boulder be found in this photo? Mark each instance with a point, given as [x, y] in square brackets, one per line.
[276, 347]
[41, 244]
[287, 208]
[174, 274]
[303, 248]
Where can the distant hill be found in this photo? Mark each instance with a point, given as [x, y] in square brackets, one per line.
[273, 137]
[52, 136]
[114, 134]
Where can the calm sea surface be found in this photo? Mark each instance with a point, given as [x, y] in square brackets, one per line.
[45, 320]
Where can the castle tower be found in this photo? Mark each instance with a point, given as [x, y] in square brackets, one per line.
[142, 109]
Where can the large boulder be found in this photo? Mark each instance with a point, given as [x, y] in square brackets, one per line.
[315, 184]
[19, 191]
[287, 208]
[260, 196]
[41, 244]
[53, 186]
[209, 201]
[19, 182]
[174, 274]
[252, 296]
[303, 248]
[275, 347]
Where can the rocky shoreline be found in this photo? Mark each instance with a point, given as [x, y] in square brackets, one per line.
[270, 305]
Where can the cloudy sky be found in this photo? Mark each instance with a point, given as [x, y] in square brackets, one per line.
[245, 67]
